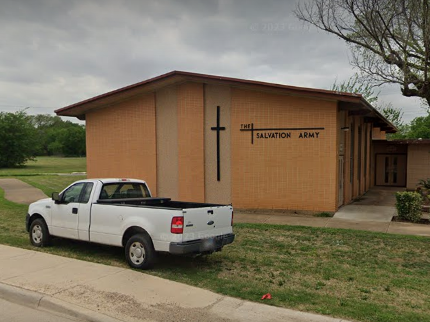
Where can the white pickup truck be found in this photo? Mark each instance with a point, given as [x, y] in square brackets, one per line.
[121, 212]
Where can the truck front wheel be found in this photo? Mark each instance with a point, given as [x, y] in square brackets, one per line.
[140, 252]
[39, 234]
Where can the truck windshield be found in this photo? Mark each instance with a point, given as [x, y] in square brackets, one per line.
[122, 190]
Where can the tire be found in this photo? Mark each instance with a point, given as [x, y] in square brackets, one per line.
[139, 252]
[39, 233]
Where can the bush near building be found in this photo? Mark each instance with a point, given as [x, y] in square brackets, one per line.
[409, 205]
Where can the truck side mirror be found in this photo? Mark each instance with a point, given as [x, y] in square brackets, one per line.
[56, 197]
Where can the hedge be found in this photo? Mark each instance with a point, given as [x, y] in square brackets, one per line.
[408, 206]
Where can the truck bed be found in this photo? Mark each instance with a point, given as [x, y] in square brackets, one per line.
[156, 202]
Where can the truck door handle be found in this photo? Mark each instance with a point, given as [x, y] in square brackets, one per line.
[74, 211]
[210, 223]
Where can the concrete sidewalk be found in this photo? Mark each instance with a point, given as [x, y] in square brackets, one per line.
[96, 292]
[20, 192]
[331, 222]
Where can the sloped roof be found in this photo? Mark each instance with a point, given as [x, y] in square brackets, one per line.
[354, 103]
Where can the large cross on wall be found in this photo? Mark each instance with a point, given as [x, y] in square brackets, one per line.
[218, 129]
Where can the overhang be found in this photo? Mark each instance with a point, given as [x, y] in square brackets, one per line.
[355, 104]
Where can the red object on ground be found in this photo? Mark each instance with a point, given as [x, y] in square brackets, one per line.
[267, 297]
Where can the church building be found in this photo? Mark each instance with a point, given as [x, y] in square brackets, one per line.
[206, 138]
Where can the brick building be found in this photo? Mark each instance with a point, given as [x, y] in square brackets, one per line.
[223, 140]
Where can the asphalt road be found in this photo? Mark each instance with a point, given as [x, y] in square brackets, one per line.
[11, 312]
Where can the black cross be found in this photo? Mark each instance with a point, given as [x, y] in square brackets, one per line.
[217, 128]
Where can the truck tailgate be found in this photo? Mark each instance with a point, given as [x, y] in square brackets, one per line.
[200, 223]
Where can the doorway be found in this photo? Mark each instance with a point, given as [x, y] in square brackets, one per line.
[391, 170]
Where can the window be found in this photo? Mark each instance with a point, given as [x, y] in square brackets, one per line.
[351, 153]
[72, 194]
[359, 153]
[365, 153]
[387, 173]
[124, 190]
[79, 192]
[87, 192]
[394, 169]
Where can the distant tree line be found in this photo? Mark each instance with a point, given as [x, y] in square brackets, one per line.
[23, 136]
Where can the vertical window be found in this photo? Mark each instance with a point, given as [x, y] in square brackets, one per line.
[359, 153]
[387, 166]
[351, 163]
[395, 170]
[365, 153]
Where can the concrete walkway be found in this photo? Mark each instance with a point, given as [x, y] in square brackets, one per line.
[378, 204]
[96, 292]
[372, 212]
[20, 192]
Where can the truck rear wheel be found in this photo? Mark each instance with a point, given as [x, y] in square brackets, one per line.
[139, 252]
[39, 234]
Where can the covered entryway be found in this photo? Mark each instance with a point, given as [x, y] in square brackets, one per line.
[390, 170]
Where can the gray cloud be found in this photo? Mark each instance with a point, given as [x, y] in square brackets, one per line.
[54, 53]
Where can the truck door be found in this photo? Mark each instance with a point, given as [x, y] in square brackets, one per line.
[66, 213]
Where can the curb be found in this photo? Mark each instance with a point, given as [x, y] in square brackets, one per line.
[44, 302]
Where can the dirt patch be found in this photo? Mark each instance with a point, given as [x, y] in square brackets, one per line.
[128, 308]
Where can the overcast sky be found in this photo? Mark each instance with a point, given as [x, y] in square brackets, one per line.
[57, 52]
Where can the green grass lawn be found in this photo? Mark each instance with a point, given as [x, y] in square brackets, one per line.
[43, 165]
[348, 274]
[50, 183]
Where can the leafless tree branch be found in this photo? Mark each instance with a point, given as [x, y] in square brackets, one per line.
[389, 39]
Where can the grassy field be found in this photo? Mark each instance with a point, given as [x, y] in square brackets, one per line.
[50, 183]
[355, 275]
[43, 165]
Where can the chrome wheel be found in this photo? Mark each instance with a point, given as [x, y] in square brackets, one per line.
[37, 234]
[137, 253]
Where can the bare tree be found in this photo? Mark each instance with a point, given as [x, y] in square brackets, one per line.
[389, 39]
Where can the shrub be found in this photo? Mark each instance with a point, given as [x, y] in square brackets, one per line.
[324, 214]
[424, 184]
[408, 205]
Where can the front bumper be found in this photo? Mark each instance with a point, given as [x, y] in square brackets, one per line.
[198, 246]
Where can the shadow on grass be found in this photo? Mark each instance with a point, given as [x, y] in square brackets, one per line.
[112, 255]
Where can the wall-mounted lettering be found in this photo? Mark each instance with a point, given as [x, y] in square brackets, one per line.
[281, 133]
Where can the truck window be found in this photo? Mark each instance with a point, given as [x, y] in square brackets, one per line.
[72, 194]
[124, 190]
[87, 192]
[79, 192]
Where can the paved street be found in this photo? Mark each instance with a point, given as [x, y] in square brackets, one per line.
[11, 312]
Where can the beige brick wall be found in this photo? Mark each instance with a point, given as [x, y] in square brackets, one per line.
[167, 142]
[283, 173]
[191, 178]
[418, 165]
[121, 141]
[377, 134]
